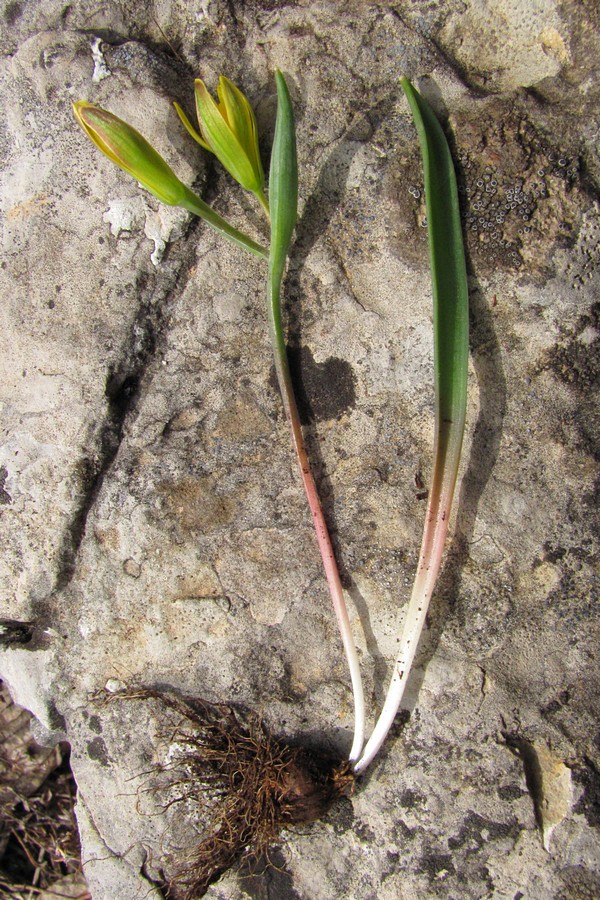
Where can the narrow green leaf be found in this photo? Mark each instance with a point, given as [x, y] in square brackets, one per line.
[451, 353]
[447, 259]
[283, 197]
[283, 181]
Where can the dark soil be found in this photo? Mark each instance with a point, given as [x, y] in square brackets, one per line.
[39, 843]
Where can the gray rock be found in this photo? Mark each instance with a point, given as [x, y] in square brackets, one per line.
[153, 526]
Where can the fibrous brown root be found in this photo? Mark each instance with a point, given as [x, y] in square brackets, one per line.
[251, 784]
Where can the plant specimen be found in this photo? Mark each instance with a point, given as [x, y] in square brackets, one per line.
[218, 742]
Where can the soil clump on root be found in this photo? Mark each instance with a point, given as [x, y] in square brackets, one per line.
[246, 784]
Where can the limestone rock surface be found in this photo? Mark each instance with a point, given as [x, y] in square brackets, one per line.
[152, 525]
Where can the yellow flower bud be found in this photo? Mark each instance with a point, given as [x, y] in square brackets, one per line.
[228, 129]
[130, 151]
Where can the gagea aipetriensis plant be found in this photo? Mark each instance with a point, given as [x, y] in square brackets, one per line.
[280, 786]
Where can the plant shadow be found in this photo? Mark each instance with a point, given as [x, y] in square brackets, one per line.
[267, 878]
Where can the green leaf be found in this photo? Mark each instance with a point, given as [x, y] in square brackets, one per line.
[283, 197]
[451, 354]
[447, 260]
[283, 181]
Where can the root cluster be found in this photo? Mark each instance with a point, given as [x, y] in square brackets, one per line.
[247, 785]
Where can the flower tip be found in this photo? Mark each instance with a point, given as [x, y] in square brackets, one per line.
[189, 127]
[202, 95]
[78, 105]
